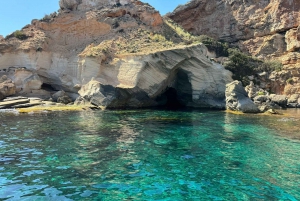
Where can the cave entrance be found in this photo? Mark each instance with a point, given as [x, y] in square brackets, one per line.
[47, 87]
[179, 95]
[172, 101]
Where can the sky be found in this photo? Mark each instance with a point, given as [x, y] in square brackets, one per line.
[15, 14]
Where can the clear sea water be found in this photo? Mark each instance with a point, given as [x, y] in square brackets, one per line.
[149, 155]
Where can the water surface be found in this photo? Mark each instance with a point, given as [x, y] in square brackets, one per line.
[148, 155]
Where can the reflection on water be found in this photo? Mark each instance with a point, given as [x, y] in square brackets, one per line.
[149, 155]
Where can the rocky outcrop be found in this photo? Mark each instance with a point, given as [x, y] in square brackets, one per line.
[113, 54]
[242, 20]
[266, 101]
[20, 102]
[13, 102]
[89, 4]
[293, 101]
[267, 29]
[182, 75]
[238, 100]
[69, 4]
[280, 100]
[7, 87]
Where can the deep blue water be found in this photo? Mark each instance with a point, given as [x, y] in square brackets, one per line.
[148, 155]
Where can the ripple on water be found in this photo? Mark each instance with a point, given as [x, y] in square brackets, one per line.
[148, 155]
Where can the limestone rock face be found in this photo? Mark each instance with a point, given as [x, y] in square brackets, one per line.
[113, 54]
[238, 100]
[26, 81]
[144, 81]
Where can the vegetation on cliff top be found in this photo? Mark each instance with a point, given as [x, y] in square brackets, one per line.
[242, 65]
[143, 40]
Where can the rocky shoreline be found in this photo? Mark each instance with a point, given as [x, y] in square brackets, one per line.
[124, 54]
[252, 99]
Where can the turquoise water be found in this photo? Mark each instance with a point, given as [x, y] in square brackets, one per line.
[148, 155]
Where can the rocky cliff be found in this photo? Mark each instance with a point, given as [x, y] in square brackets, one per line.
[267, 29]
[112, 54]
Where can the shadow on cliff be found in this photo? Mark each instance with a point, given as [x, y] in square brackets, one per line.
[177, 96]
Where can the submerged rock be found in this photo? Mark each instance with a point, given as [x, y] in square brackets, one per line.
[237, 98]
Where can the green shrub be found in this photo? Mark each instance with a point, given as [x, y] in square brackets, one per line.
[220, 48]
[241, 65]
[20, 35]
[269, 66]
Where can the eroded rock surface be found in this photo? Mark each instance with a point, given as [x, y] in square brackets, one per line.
[114, 54]
[145, 80]
[267, 29]
[235, 20]
[7, 87]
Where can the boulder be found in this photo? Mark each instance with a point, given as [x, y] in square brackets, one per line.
[293, 101]
[292, 105]
[64, 99]
[57, 95]
[73, 96]
[97, 94]
[293, 98]
[261, 98]
[254, 91]
[7, 88]
[251, 89]
[238, 100]
[280, 100]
